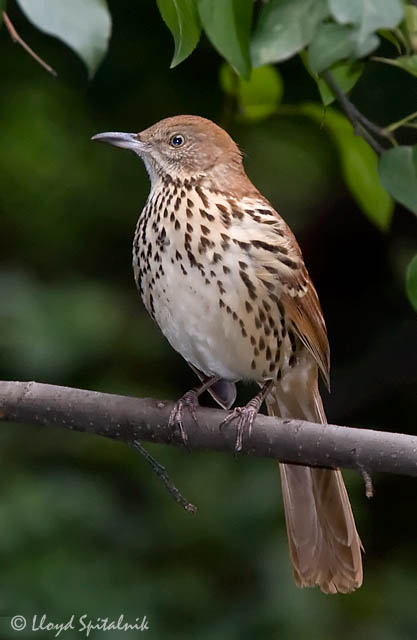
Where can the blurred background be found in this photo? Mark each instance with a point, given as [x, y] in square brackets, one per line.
[84, 526]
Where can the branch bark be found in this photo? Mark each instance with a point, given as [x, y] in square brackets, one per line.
[130, 420]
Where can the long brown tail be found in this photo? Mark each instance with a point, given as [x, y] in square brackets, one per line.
[325, 548]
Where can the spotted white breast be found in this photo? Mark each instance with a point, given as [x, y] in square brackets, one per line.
[207, 270]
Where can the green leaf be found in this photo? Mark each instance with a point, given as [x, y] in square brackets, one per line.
[332, 42]
[391, 37]
[411, 282]
[83, 26]
[227, 24]
[257, 98]
[369, 16]
[410, 17]
[398, 174]
[181, 18]
[359, 165]
[345, 74]
[407, 63]
[284, 28]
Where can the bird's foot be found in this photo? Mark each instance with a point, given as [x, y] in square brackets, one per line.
[188, 401]
[245, 417]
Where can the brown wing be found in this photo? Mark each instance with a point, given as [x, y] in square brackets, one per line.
[304, 312]
[280, 261]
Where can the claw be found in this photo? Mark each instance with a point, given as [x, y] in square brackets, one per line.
[245, 417]
[188, 401]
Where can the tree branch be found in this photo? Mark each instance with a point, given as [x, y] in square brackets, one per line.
[361, 124]
[19, 40]
[130, 420]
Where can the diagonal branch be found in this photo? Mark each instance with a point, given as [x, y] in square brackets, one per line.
[143, 419]
[163, 476]
[19, 40]
[362, 126]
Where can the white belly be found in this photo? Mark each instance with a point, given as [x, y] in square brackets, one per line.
[187, 311]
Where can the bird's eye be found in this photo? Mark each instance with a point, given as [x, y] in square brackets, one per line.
[177, 140]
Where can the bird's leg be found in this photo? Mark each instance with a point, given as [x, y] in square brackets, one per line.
[190, 401]
[246, 415]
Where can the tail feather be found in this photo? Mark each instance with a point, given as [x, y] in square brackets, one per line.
[325, 548]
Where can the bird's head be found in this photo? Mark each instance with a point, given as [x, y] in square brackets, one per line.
[181, 146]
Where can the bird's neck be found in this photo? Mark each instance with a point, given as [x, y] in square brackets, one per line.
[219, 179]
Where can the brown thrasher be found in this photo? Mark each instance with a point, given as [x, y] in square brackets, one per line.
[222, 275]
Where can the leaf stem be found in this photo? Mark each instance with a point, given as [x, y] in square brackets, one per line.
[403, 122]
[16, 38]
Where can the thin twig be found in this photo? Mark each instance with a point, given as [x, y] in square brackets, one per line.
[361, 124]
[166, 480]
[404, 122]
[369, 487]
[16, 38]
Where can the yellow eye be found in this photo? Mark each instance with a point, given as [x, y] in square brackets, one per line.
[177, 140]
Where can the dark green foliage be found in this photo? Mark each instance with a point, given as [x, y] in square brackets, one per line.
[330, 35]
[228, 24]
[398, 173]
[182, 20]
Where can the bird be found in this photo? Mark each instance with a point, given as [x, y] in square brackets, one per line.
[222, 275]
